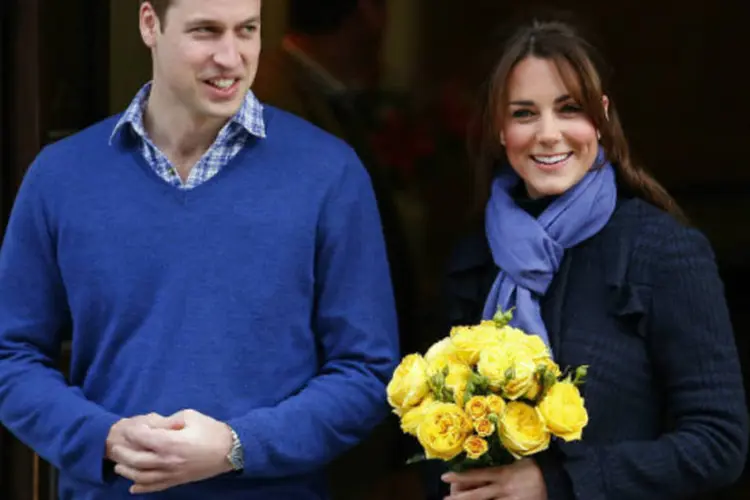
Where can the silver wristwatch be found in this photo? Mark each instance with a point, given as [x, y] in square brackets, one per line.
[236, 456]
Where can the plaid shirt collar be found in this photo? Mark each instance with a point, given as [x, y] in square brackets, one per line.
[249, 117]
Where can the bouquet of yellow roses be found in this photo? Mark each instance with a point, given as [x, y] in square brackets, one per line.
[487, 395]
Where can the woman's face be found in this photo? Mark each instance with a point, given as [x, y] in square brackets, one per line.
[549, 141]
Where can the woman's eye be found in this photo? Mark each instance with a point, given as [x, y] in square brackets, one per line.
[571, 108]
[521, 113]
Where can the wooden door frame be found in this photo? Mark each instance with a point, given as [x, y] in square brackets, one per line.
[21, 140]
[24, 110]
[21, 107]
[24, 129]
[3, 185]
[23, 121]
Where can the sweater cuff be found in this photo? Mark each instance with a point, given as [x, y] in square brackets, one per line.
[255, 463]
[93, 465]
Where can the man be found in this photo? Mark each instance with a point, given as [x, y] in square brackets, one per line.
[222, 269]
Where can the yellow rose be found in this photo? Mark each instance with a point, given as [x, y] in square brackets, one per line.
[493, 363]
[443, 431]
[539, 350]
[457, 380]
[537, 347]
[475, 447]
[487, 328]
[484, 427]
[514, 359]
[564, 412]
[409, 385]
[470, 341]
[522, 430]
[522, 381]
[511, 334]
[413, 417]
[477, 407]
[440, 355]
[496, 404]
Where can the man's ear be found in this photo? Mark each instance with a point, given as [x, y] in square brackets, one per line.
[148, 24]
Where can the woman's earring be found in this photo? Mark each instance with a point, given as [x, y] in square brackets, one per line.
[598, 135]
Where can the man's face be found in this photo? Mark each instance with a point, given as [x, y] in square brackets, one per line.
[205, 53]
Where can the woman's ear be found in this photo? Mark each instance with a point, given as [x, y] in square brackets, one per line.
[605, 105]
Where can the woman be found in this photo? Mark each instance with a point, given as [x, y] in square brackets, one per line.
[597, 260]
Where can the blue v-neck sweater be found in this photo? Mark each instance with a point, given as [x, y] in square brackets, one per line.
[260, 298]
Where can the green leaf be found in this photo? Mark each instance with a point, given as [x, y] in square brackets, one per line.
[467, 396]
[468, 392]
[437, 382]
[546, 379]
[479, 381]
[419, 457]
[439, 389]
[446, 395]
[498, 452]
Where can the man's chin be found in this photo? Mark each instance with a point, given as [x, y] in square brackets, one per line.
[223, 111]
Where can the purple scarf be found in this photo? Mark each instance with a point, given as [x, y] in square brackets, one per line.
[529, 251]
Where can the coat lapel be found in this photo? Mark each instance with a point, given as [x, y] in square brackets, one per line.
[471, 272]
[553, 303]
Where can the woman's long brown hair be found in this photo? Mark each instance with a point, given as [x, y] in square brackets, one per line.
[578, 64]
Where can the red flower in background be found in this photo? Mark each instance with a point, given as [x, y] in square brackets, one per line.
[401, 143]
[411, 143]
[454, 109]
